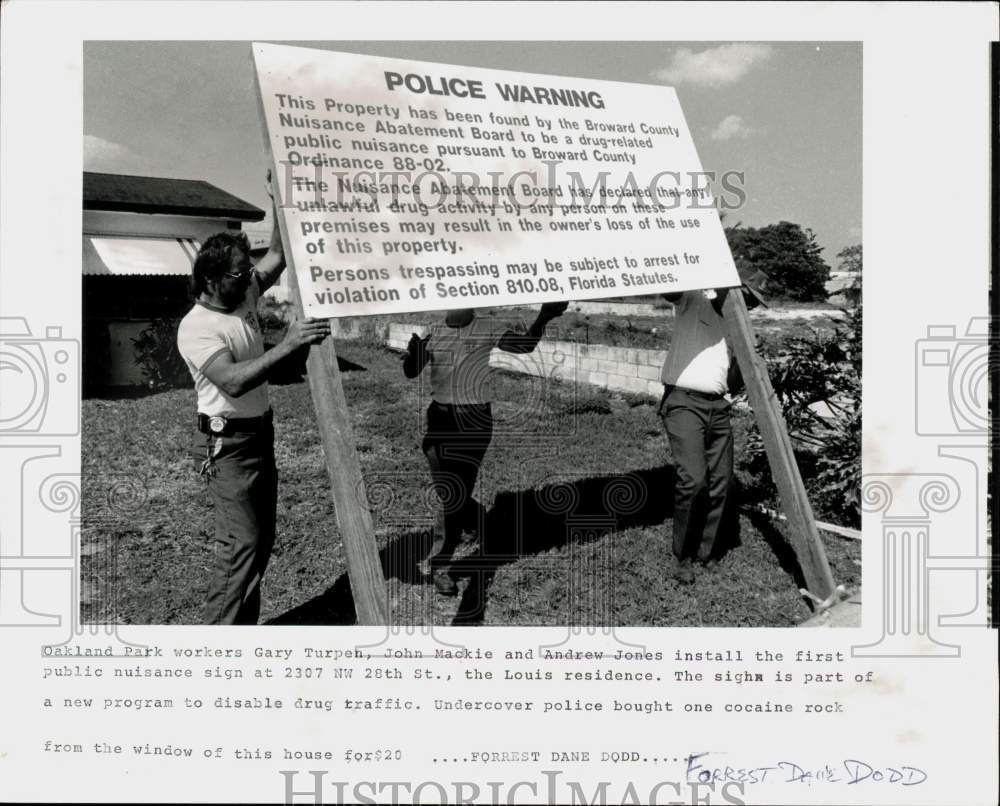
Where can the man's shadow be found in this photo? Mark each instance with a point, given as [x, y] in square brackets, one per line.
[523, 523]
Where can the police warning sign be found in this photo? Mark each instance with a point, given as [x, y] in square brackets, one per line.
[411, 186]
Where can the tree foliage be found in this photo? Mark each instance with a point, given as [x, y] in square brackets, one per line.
[850, 259]
[788, 254]
[158, 358]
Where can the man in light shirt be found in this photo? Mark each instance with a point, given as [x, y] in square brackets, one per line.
[696, 414]
[221, 343]
[460, 417]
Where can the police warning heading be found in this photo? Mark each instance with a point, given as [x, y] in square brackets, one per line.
[409, 185]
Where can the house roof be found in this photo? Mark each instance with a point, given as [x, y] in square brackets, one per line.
[152, 194]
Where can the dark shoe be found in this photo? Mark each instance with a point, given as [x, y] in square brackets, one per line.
[683, 573]
[443, 583]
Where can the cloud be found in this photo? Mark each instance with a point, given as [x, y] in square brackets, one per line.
[103, 155]
[732, 126]
[715, 67]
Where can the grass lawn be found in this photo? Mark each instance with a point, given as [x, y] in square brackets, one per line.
[639, 332]
[577, 486]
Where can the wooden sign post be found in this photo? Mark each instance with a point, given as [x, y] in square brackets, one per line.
[784, 469]
[349, 498]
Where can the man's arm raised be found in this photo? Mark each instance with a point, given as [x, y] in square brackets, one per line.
[270, 267]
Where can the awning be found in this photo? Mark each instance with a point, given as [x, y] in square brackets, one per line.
[138, 256]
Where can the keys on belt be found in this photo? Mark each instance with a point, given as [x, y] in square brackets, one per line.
[217, 426]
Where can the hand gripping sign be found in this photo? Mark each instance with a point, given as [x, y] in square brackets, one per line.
[412, 186]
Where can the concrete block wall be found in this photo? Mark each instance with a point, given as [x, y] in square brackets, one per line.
[399, 334]
[620, 369]
[621, 308]
[357, 327]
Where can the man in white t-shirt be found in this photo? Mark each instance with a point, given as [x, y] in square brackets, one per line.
[221, 343]
[696, 414]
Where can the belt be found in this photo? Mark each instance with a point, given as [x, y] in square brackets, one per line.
[667, 389]
[460, 406]
[224, 426]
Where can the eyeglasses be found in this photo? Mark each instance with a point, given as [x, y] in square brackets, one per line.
[239, 276]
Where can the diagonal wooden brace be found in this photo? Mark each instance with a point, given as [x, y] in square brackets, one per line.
[794, 501]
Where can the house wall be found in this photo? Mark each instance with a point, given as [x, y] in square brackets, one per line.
[116, 309]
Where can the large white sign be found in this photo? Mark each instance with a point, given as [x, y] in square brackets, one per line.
[418, 186]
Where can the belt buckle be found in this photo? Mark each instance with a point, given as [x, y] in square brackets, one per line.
[216, 424]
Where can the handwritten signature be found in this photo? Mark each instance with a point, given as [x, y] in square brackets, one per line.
[848, 771]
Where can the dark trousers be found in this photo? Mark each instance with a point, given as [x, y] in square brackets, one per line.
[701, 441]
[243, 483]
[455, 443]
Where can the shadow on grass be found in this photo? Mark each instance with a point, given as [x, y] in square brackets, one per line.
[529, 523]
[524, 524]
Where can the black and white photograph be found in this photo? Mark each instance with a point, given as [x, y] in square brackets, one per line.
[510, 359]
[565, 461]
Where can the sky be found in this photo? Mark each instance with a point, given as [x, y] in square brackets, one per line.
[788, 115]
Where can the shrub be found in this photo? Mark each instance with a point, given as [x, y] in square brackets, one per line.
[157, 356]
[817, 368]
